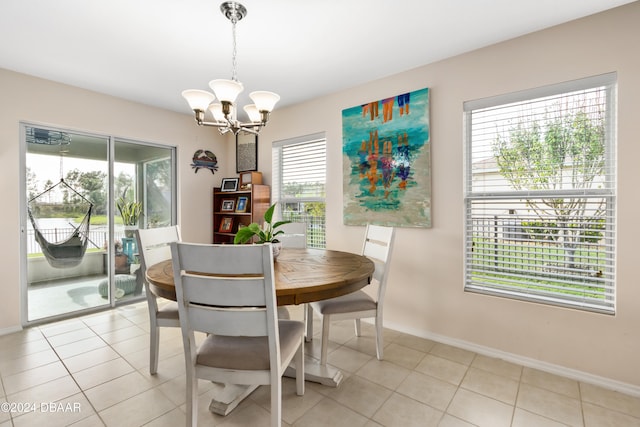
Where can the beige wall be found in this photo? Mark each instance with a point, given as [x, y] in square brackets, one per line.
[39, 101]
[425, 295]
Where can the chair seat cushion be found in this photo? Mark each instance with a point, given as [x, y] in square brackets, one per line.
[248, 353]
[355, 301]
[168, 311]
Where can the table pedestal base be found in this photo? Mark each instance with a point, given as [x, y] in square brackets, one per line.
[316, 373]
[228, 396]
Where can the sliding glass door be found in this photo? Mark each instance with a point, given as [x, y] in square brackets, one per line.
[84, 197]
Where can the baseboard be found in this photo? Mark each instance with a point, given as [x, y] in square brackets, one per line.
[630, 389]
[11, 330]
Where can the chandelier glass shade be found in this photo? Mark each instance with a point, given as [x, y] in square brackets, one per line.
[226, 92]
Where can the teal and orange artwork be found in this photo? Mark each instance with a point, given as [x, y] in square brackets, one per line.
[387, 161]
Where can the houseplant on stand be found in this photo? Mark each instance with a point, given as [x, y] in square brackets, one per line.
[130, 213]
[265, 234]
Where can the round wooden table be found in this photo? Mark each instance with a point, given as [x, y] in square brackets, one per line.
[301, 275]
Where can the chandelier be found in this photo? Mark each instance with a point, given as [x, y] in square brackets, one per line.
[226, 91]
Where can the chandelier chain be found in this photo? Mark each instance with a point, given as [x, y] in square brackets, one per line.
[234, 61]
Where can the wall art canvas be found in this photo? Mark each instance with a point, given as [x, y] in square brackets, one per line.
[387, 162]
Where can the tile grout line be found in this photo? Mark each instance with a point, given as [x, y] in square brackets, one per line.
[72, 377]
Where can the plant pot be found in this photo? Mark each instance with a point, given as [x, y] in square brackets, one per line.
[129, 230]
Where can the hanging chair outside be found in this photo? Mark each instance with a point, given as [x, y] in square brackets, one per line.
[66, 247]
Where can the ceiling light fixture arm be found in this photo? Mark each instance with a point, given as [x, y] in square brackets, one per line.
[231, 125]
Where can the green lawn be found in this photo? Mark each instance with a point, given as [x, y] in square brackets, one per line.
[544, 267]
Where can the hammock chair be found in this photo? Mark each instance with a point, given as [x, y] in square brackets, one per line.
[68, 250]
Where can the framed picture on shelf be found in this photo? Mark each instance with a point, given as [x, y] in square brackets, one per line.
[226, 225]
[242, 204]
[227, 205]
[229, 184]
[246, 152]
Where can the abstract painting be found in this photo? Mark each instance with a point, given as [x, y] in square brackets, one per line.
[387, 162]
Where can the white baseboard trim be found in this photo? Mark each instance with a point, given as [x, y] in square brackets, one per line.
[10, 330]
[630, 389]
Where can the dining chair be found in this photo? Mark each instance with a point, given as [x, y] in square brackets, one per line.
[377, 246]
[228, 293]
[153, 247]
[295, 235]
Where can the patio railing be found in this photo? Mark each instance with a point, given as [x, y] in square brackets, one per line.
[97, 238]
[315, 227]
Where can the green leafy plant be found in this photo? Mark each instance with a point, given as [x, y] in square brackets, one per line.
[129, 211]
[264, 234]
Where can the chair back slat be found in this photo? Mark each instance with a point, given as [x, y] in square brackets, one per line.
[246, 322]
[223, 291]
[378, 245]
[237, 258]
[153, 244]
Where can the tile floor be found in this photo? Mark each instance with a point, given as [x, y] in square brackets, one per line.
[93, 371]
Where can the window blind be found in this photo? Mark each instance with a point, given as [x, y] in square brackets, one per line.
[540, 195]
[299, 187]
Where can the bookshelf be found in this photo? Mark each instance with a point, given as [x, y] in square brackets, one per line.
[233, 209]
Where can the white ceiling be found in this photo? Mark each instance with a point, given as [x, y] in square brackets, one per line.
[150, 50]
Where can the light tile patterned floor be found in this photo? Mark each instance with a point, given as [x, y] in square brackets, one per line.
[93, 371]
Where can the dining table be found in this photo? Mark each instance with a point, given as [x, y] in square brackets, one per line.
[301, 276]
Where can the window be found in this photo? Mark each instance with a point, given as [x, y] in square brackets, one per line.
[540, 191]
[299, 178]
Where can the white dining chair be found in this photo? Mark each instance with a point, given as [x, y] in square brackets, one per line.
[228, 293]
[378, 245]
[294, 236]
[153, 247]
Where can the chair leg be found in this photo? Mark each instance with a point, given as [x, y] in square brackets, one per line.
[192, 398]
[308, 321]
[379, 341]
[326, 321]
[299, 361]
[358, 329]
[154, 347]
[276, 402]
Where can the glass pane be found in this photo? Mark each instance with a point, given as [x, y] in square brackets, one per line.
[546, 144]
[67, 226]
[143, 191]
[313, 214]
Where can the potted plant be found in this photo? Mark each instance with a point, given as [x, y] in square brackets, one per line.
[265, 234]
[130, 213]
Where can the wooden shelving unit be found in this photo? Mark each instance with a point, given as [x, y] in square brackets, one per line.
[258, 199]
